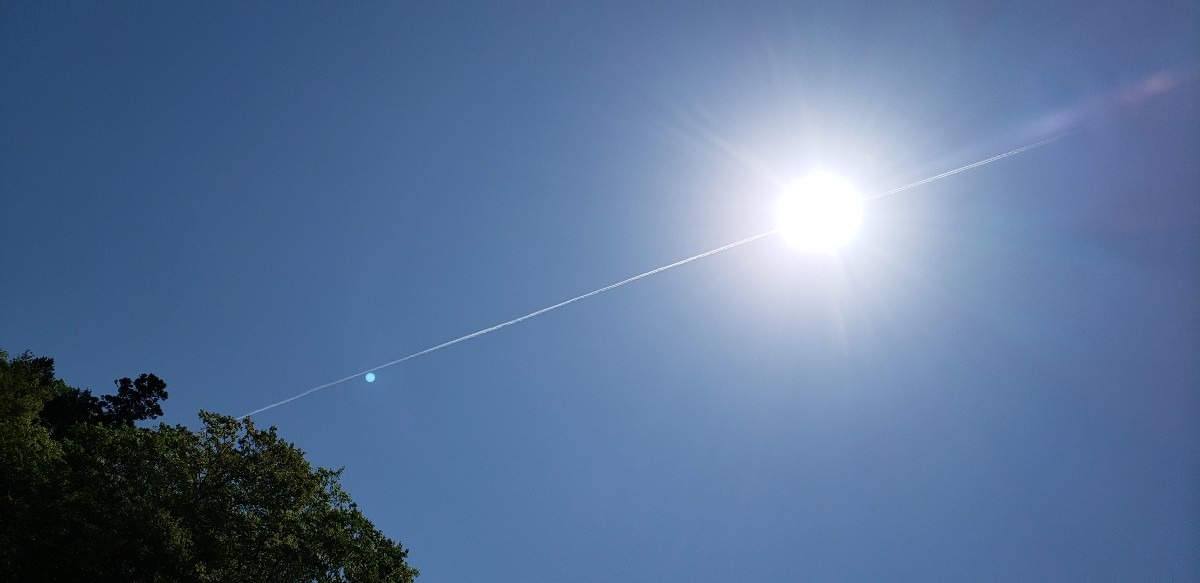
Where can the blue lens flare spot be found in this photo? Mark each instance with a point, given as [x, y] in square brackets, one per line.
[370, 377]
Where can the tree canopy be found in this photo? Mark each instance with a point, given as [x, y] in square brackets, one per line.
[88, 494]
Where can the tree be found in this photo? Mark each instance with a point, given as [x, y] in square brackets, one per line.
[136, 400]
[86, 494]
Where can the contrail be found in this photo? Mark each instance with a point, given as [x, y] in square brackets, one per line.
[626, 281]
[965, 168]
[511, 322]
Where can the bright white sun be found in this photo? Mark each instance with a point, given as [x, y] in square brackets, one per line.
[819, 213]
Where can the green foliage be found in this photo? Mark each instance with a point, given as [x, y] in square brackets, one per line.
[88, 495]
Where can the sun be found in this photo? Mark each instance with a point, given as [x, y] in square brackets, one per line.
[819, 213]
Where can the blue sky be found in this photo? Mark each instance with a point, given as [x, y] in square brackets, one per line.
[997, 380]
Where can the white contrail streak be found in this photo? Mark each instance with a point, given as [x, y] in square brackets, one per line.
[965, 168]
[511, 322]
[625, 281]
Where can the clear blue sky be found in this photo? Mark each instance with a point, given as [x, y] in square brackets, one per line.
[999, 380]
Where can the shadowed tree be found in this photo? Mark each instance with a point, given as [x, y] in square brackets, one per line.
[88, 495]
[135, 400]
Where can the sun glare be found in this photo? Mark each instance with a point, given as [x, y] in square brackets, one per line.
[819, 213]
